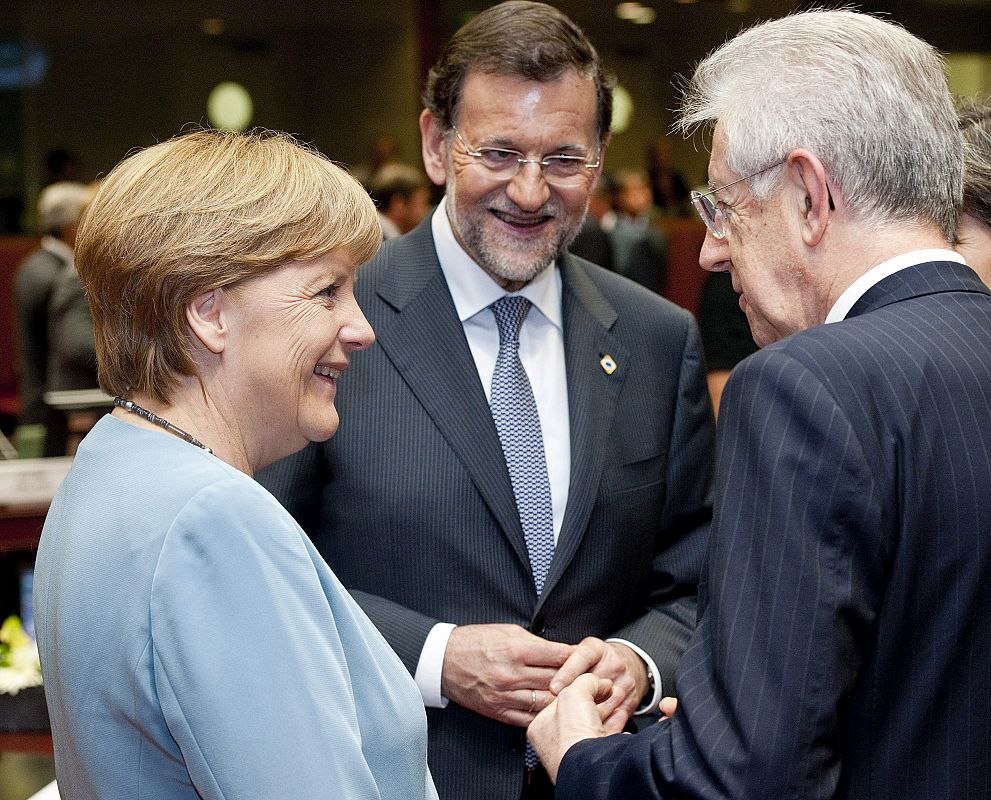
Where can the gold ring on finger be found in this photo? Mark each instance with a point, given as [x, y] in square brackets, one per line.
[533, 701]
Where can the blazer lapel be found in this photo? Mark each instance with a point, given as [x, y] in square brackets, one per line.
[422, 336]
[592, 398]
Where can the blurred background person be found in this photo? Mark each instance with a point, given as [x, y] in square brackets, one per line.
[402, 196]
[639, 247]
[184, 620]
[383, 150]
[71, 362]
[974, 232]
[667, 185]
[592, 241]
[59, 207]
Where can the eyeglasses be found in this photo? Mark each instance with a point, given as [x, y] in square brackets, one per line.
[714, 215]
[503, 164]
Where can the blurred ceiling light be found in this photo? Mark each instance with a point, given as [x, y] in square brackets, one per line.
[229, 106]
[212, 26]
[636, 13]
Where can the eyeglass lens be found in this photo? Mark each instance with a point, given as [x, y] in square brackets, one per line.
[707, 211]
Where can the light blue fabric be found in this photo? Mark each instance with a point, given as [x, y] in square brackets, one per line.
[195, 644]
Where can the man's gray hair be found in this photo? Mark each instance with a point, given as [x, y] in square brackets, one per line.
[864, 95]
[59, 206]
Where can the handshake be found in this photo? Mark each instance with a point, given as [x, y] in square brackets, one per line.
[509, 674]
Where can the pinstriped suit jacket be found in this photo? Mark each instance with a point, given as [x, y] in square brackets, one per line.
[412, 506]
[845, 648]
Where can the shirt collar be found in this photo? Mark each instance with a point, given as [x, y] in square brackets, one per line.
[471, 287]
[875, 275]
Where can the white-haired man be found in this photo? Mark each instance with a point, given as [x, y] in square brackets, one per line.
[844, 643]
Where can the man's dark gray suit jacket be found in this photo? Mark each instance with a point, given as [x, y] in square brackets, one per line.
[412, 506]
[845, 647]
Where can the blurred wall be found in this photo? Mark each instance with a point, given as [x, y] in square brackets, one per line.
[122, 74]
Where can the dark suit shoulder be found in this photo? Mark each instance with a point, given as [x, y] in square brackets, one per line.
[915, 330]
[401, 268]
[632, 303]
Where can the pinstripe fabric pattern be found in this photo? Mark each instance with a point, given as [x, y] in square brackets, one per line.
[412, 506]
[845, 645]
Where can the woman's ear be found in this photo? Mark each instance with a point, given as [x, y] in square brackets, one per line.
[206, 315]
[434, 148]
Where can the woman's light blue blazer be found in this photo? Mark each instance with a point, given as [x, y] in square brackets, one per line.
[195, 645]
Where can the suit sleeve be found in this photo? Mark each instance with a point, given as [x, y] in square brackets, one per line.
[665, 626]
[795, 566]
[244, 641]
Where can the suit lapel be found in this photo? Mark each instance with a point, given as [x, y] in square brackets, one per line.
[592, 398]
[915, 281]
[422, 336]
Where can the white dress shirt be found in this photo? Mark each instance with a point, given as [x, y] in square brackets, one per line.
[542, 353]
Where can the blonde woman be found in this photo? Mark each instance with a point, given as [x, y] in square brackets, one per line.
[193, 642]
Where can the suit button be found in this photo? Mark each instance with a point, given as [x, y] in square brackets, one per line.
[537, 627]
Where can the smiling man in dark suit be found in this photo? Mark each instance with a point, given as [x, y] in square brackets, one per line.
[500, 516]
[844, 643]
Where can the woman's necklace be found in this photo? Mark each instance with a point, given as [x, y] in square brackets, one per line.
[134, 408]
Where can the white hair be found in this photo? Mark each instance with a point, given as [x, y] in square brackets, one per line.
[60, 204]
[864, 95]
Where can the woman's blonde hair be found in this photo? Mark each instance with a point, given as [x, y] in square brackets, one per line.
[203, 210]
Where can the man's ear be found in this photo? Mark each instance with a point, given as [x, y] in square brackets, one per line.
[206, 315]
[434, 148]
[811, 193]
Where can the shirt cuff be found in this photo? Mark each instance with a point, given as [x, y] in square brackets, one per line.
[651, 703]
[430, 665]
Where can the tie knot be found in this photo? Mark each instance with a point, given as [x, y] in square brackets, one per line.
[510, 311]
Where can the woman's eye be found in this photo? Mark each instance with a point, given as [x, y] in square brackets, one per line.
[329, 292]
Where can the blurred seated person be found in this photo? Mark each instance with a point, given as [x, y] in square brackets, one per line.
[402, 196]
[59, 207]
[974, 231]
[639, 247]
[668, 188]
[726, 337]
[219, 656]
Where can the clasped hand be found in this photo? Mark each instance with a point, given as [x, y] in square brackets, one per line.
[507, 673]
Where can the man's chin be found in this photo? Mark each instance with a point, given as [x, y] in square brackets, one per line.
[519, 267]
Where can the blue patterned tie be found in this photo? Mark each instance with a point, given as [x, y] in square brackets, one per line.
[518, 423]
